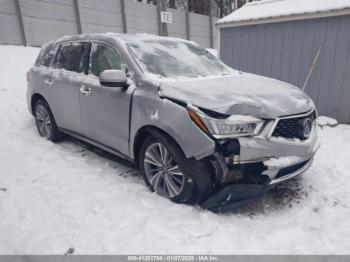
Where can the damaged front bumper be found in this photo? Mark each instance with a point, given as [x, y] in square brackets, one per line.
[238, 195]
[246, 168]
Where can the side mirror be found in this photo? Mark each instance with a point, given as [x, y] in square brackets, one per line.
[114, 78]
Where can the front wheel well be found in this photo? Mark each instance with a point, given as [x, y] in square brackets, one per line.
[145, 132]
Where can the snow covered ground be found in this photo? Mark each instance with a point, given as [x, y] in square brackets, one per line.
[56, 197]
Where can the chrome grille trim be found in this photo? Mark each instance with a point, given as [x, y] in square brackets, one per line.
[276, 121]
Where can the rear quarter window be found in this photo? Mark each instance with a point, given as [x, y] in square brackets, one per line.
[46, 55]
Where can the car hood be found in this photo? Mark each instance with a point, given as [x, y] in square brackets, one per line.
[243, 93]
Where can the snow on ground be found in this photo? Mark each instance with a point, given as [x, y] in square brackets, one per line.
[326, 121]
[54, 197]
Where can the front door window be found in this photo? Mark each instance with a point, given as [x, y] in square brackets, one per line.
[103, 57]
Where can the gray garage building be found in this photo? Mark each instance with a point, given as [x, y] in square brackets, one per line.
[303, 42]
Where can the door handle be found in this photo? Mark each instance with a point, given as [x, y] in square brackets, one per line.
[85, 90]
[48, 82]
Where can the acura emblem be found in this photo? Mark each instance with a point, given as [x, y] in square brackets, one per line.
[307, 126]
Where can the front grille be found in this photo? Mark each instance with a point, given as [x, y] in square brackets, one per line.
[292, 127]
[287, 170]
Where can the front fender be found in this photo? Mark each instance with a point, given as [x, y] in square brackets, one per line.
[148, 109]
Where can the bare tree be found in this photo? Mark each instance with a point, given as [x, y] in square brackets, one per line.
[226, 7]
[172, 4]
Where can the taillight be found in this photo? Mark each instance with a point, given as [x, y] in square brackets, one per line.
[28, 75]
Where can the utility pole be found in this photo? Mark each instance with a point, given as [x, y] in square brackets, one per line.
[163, 27]
[211, 29]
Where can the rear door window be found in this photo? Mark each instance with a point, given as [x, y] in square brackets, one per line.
[71, 57]
[103, 57]
[46, 55]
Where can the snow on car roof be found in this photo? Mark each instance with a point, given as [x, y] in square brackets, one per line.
[269, 9]
[120, 37]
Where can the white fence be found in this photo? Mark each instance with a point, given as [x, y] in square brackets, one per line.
[33, 22]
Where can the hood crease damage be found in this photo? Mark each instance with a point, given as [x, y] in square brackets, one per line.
[235, 94]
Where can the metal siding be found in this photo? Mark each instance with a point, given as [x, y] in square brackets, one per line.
[252, 39]
[7, 6]
[42, 25]
[226, 44]
[260, 46]
[327, 68]
[277, 52]
[141, 18]
[343, 79]
[178, 27]
[10, 32]
[307, 52]
[335, 83]
[45, 20]
[108, 6]
[199, 28]
[297, 47]
[236, 49]
[244, 48]
[269, 42]
[329, 89]
[39, 31]
[288, 54]
[286, 50]
[98, 16]
[232, 47]
[44, 10]
[215, 32]
[319, 29]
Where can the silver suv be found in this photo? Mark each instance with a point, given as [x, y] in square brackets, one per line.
[198, 130]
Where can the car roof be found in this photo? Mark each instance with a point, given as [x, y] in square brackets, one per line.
[118, 37]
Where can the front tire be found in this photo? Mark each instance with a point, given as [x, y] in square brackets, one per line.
[169, 173]
[45, 122]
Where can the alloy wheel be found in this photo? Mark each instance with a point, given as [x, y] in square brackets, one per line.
[43, 121]
[162, 171]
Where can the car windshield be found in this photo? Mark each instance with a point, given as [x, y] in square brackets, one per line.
[172, 59]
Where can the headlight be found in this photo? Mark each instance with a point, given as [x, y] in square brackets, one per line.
[233, 126]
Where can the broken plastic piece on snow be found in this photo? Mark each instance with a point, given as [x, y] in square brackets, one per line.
[235, 196]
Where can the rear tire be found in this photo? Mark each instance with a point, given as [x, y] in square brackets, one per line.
[192, 185]
[45, 122]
